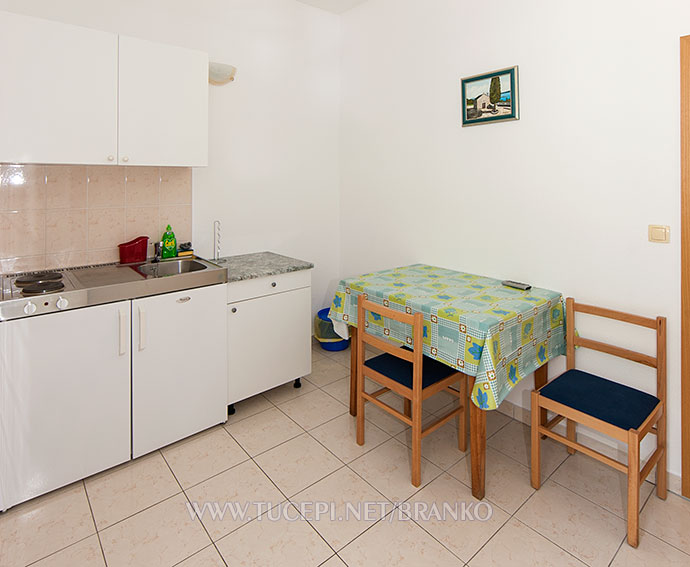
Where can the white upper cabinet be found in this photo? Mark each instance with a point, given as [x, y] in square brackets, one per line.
[73, 95]
[163, 102]
[58, 98]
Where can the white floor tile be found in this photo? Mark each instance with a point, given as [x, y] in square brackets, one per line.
[298, 463]
[263, 431]
[267, 542]
[582, 528]
[44, 525]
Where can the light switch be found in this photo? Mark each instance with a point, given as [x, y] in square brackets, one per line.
[659, 233]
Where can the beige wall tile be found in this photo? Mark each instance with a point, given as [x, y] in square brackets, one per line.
[66, 230]
[179, 217]
[142, 185]
[22, 264]
[66, 259]
[106, 186]
[68, 215]
[65, 186]
[142, 221]
[5, 234]
[106, 227]
[4, 189]
[24, 233]
[23, 186]
[104, 256]
[176, 186]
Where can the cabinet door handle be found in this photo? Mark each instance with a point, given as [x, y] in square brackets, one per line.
[142, 329]
[125, 159]
[123, 332]
[274, 284]
[234, 310]
[184, 299]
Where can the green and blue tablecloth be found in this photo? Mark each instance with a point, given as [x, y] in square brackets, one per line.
[472, 323]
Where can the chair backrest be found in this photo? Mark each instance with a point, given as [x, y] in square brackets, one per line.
[659, 325]
[415, 356]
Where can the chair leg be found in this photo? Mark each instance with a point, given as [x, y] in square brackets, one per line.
[462, 416]
[661, 473]
[360, 407]
[571, 427]
[416, 442]
[633, 488]
[536, 442]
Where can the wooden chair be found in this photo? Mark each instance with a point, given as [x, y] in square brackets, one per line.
[407, 373]
[621, 412]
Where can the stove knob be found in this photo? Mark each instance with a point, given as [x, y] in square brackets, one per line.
[30, 308]
[62, 303]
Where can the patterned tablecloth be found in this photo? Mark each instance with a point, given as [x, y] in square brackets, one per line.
[472, 323]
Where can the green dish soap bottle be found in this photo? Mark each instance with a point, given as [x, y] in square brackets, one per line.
[169, 243]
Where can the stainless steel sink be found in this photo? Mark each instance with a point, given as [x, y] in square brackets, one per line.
[170, 268]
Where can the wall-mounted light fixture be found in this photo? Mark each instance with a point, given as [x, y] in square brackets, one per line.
[220, 73]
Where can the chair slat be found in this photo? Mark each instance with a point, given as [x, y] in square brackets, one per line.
[385, 407]
[441, 421]
[617, 315]
[586, 450]
[653, 460]
[387, 347]
[387, 312]
[616, 351]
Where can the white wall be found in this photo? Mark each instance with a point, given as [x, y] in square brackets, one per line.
[272, 177]
[561, 198]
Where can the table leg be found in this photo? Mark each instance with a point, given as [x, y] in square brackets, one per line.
[541, 377]
[477, 447]
[353, 370]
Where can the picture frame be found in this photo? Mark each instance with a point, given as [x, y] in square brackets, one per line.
[490, 97]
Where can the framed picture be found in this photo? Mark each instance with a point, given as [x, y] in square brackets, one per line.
[490, 97]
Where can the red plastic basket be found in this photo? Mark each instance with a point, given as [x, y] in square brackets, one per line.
[134, 250]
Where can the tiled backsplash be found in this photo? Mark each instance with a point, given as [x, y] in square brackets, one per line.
[54, 216]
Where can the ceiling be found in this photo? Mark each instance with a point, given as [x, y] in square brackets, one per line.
[336, 6]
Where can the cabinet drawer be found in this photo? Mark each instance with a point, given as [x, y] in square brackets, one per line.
[259, 287]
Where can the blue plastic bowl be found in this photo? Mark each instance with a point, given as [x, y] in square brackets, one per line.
[335, 345]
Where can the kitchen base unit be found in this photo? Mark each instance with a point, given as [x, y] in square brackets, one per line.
[269, 333]
[64, 398]
[179, 366]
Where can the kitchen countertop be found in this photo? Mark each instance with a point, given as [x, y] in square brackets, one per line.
[260, 265]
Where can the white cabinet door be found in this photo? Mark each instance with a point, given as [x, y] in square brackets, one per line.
[58, 99]
[64, 398]
[163, 104]
[269, 342]
[179, 366]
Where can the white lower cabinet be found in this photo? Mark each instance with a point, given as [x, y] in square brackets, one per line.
[179, 366]
[269, 333]
[64, 398]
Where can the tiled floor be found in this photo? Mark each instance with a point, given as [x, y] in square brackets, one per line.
[293, 450]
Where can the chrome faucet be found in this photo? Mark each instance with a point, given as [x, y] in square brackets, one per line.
[157, 251]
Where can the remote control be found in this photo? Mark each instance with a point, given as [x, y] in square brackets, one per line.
[516, 285]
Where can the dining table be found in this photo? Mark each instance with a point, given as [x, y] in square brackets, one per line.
[494, 334]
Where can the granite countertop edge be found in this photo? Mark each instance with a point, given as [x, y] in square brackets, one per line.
[259, 265]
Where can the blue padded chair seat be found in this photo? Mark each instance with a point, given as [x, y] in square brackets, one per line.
[603, 399]
[401, 371]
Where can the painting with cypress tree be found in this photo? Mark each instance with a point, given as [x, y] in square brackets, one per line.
[490, 97]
